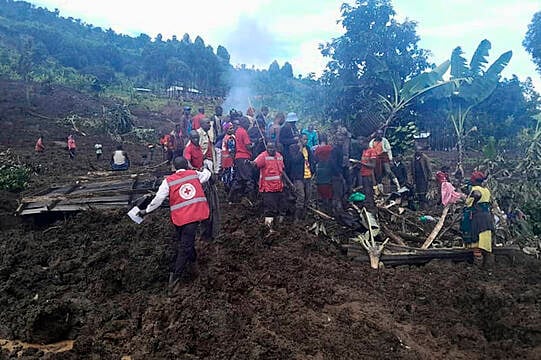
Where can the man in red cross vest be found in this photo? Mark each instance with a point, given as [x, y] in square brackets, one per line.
[188, 206]
[271, 182]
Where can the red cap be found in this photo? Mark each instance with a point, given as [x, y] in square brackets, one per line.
[477, 177]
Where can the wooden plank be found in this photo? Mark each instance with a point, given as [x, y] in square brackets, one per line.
[97, 199]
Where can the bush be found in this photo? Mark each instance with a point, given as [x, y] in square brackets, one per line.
[14, 177]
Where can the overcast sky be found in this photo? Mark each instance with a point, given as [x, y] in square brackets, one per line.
[259, 31]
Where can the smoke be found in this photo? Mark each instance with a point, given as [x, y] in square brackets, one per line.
[240, 91]
[251, 41]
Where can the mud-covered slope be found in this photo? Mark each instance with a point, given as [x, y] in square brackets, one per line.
[102, 281]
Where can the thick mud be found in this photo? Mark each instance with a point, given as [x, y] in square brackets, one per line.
[101, 280]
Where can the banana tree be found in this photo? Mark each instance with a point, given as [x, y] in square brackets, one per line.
[411, 89]
[469, 86]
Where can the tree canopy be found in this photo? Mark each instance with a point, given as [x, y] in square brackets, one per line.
[374, 45]
[532, 41]
[106, 55]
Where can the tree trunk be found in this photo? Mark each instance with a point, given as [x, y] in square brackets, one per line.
[459, 168]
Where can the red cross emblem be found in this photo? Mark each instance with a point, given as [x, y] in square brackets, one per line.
[187, 191]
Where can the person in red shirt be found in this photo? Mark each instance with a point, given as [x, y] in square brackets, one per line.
[196, 120]
[324, 171]
[193, 152]
[243, 183]
[188, 206]
[71, 146]
[368, 164]
[39, 145]
[271, 184]
[228, 155]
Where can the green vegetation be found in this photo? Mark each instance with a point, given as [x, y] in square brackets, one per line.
[14, 176]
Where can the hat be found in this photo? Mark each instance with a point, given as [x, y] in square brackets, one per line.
[187, 108]
[477, 177]
[291, 117]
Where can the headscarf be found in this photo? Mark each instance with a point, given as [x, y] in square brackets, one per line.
[477, 177]
[442, 177]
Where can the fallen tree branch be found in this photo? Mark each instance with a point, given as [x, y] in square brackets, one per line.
[38, 115]
[75, 127]
[437, 228]
[320, 213]
[394, 237]
[453, 222]
[403, 218]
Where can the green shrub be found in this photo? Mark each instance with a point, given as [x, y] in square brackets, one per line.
[14, 177]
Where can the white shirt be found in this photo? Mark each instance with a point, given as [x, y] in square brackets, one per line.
[118, 157]
[163, 190]
[386, 146]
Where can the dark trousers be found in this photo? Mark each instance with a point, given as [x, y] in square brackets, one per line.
[303, 191]
[243, 183]
[211, 226]
[272, 204]
[185, 247]
[368, 190]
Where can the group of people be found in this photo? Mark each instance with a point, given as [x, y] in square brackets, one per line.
[287, 165]
[119, 159]
[291, 170]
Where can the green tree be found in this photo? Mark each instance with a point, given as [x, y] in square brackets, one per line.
[532, 41]
[373, 35]
[473, 85]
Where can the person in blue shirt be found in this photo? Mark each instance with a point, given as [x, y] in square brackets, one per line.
[312, 136]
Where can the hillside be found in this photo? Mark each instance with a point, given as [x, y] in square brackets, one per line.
[98, 282]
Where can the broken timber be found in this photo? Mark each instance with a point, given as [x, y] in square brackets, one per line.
[394, 255]
[87, 195]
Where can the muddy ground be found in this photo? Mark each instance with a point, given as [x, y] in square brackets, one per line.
[101, 280]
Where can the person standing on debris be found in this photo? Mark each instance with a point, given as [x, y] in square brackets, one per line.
[289, 134]
[99, 150]
[262, 116]
[385, 156]
[250, 114]
[311, 134]
[478, 222]
[72, 146]
[211, 226]
[257, 137]
[338, 173]
[188, 206]
[196, 120]
[186, 124]
[216, 123]
[193, 153]
[399, 170]
[368, 164]
[271, 182]
[119, 159]
[242, 180]
[228, 154]
[299, 170]
[322, 156]
[448, 193]
[421, 173]
[39, 148]
[274, 130]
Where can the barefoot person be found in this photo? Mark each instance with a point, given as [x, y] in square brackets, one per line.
[188, 206]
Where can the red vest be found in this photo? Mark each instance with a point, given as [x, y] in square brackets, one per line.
[187, 200]
[271, 169]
